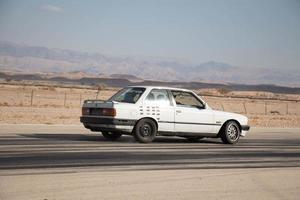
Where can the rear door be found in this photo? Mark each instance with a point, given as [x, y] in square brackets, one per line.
[160, 105]
[190, 114]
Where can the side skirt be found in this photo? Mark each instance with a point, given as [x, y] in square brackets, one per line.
[184, 134]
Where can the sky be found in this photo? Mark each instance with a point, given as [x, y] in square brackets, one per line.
[245, 33]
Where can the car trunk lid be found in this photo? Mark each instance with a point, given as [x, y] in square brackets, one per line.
[99, 108]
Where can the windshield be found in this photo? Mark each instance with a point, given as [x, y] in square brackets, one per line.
[128, 95]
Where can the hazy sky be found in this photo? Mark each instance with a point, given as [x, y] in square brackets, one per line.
[250, 33]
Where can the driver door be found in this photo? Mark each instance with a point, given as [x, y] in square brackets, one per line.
[191, 115]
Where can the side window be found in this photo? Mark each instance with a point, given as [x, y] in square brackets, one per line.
[186, 99]
[158, 96]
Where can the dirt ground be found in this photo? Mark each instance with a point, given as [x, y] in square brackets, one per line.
[171, 184]
[62, 105]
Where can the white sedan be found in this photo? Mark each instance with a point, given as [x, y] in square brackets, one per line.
[148, 111]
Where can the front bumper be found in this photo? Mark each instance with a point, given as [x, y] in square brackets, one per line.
[245, 128]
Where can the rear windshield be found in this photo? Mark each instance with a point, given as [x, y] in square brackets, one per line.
[128, 95]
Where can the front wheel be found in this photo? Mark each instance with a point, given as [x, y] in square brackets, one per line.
[145, 131]
[231, 133]
[112, 136]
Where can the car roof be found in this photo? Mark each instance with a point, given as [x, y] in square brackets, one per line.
[159, 87]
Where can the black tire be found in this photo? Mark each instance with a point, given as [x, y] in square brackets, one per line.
[145, 131]
[112, 136]
[194, 138]
[94, 130]
[230, 133]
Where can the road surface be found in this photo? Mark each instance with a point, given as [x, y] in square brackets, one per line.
[69, 162]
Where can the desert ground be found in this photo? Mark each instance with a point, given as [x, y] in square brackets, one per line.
[50, 104]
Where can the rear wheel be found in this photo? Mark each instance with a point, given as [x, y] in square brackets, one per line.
[145, 131]
[231, 133]
[194, 138]
[112, 136]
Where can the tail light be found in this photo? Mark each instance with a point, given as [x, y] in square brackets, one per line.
[85, 111]
[99, 111]
[109, 112]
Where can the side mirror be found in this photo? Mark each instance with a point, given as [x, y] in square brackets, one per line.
[201, 107]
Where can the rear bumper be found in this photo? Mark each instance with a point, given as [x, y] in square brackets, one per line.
[108, 121]
[96, 123]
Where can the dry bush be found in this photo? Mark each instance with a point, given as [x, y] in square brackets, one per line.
[4, 104]
[223, 91]
[275, 112]
[100, 86]
[8, 79]
[51, 88]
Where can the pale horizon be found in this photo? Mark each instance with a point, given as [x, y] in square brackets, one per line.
[248, 34]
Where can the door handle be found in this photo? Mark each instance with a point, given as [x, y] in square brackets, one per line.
[178, 111]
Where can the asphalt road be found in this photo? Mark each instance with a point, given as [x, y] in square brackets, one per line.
[30, 147]
[34, 157]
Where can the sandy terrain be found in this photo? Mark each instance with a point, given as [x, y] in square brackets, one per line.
[56, 105]
[160, 184]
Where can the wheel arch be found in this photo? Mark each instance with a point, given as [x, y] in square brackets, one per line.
[150, 118]
[224, 125]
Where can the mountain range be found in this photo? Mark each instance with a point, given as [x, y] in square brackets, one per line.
[28, 59]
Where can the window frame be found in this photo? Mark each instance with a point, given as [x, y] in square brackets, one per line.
[169, 95]
[188, 106]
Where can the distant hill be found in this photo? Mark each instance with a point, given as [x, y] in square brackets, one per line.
[121, 82]
[126, 76]
[28, 59]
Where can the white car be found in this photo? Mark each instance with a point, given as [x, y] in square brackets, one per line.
[148, 111]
